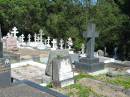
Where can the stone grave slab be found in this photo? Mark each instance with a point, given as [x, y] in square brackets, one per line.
[5, 73]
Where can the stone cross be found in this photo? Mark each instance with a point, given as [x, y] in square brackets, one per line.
[35, 37]
[61, 44]
[54, 46]
[22, 38]
[29, 38]
[14, 32]
[41, 34]
[48, 42]
[70, 43]
[90, 36]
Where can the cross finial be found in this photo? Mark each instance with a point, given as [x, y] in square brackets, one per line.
[14, 32]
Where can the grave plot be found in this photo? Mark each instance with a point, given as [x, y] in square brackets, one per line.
[30, 70]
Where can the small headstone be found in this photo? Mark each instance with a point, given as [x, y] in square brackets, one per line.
[11, 43]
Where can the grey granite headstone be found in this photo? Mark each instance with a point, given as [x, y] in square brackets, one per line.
[90, 63]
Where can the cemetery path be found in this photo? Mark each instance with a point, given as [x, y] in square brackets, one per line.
[102, 88]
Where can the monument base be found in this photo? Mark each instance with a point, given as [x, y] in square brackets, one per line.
[5, 75]
[89, 65]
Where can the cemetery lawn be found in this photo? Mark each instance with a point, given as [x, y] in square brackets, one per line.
[116, 80]
[82, 87]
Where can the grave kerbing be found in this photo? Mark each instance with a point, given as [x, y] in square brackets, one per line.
[5, 69]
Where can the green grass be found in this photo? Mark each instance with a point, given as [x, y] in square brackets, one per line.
[116, 80]
[81, 91]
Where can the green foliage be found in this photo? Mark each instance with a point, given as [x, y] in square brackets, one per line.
[83, 75]
[80, 91]
[117, 80]
[50, 85]
[69, 18]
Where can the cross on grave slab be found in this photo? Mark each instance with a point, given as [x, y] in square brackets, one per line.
[61, 44]
[29, 38]
[22, 38]
[35, 37]
[41, 34]
[48, 41]
[90, 36]
[14, 32]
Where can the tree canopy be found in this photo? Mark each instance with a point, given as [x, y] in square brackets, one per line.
[69, 18]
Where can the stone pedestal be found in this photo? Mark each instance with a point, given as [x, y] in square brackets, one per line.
[89, 65]
[5, 73]
[62, 74]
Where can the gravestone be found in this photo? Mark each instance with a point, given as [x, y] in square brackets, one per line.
[5, 69]
[59, 68]
[52, 55]
[62, 74]
[11, 43]
[90, 63]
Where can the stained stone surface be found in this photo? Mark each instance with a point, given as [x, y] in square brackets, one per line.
[62, 73]
[52, 55]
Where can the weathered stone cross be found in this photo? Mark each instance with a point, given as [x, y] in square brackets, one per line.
[90, 36]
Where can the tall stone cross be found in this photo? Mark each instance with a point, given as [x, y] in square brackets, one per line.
[14, 32]
[90, 36]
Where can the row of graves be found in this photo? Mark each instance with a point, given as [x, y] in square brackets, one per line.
[42, 62]
[12, 42]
